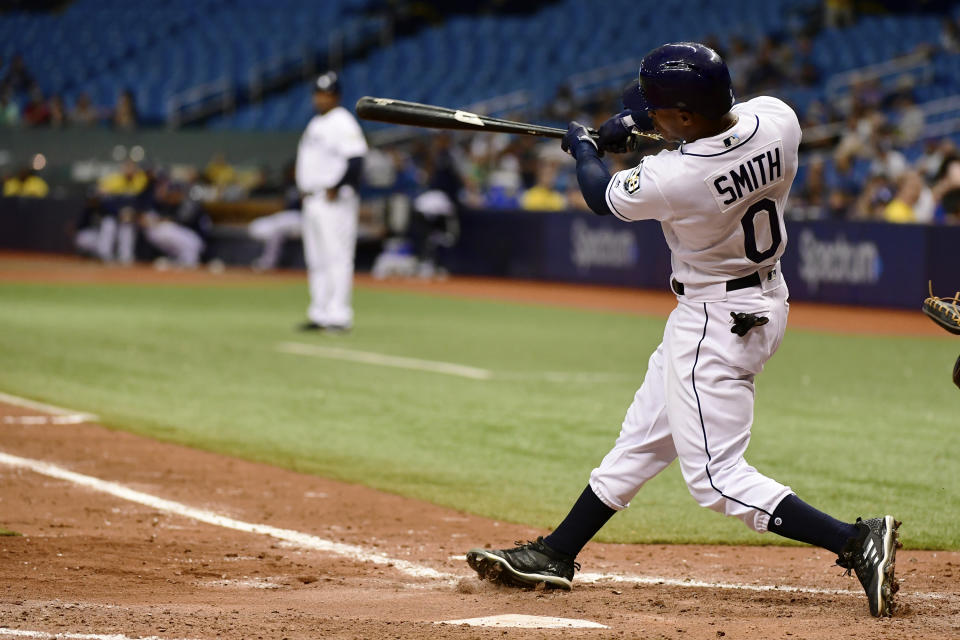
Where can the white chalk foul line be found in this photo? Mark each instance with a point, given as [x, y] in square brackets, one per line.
[362, 554]
[448, 368]
[384, 360]
[303, 540]
[593, 578]
[43, 635]
[46, 408]
[77, 418]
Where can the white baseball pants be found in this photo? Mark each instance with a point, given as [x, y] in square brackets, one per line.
[696, 404]
[100, 241]
[272, 231]
[180, 243]
[329, 243]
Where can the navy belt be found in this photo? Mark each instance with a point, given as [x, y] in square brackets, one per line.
[752, 280]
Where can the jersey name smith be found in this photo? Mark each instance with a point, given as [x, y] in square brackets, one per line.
[747, 175]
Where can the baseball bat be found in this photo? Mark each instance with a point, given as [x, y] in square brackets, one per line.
[434, 117]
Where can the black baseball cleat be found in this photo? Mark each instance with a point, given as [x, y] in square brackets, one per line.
[337, 328]
[310, 325]
[871, 555]
[525, 566]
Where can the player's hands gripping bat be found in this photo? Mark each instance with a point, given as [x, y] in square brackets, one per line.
[620, 133]
[577, 133]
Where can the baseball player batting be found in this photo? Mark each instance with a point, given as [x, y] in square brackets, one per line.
[720, 198]
[328, 171]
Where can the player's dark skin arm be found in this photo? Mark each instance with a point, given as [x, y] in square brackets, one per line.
[593, 178]
[351, 177]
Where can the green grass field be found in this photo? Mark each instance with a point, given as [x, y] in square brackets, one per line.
[856, 425]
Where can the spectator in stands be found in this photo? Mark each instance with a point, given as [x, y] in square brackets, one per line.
[912, 202]
[84, 114]
[740, 63]
[125, 117]
[130, 181]
[806, 73]
[36, 113]
[936, 153]
[562, 107]
[873, 199]
[18, 78]
[9, 109]
[949, 209]
[219, 172]
[58, 113]
[767, 71]
[843, 186]
[887, 160]
[25, 184]
[543, 195]
[950, 35]
[838, 13]
[947, 177]
[910, 120]
[812, 197]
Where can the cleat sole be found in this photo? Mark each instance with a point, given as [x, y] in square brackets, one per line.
[495, 569]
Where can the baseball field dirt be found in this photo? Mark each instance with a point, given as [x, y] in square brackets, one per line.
[127, 537]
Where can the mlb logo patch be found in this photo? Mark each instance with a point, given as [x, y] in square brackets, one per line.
[730, 141]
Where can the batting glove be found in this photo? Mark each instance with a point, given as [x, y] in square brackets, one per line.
[615, 132]
[576, 135]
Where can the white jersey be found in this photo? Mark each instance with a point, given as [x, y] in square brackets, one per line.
[326, 145]
[720, 200]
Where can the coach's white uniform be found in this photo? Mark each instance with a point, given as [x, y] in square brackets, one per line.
[720, 202]
[329, 226]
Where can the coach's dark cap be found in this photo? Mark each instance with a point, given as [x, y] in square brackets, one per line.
[328, 82]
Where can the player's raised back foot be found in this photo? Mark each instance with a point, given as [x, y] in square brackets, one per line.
[525, 566]
[871, 556]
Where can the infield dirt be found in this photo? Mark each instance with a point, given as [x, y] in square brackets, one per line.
[91, 563]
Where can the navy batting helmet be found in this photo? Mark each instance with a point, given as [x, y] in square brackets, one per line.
[328, 82]
[686, 75]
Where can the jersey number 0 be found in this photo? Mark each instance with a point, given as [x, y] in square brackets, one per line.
[750, 233]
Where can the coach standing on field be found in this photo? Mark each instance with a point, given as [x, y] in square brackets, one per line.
[329, 167]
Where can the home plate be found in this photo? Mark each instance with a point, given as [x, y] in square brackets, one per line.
[519, 621]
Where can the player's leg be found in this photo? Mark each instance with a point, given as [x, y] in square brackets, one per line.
[315, 257]
[643, 449]
[340, 240]
[107, 238]
[126, 235]
[710, 399]
[187, 245]
[85, 240]
[272, 231]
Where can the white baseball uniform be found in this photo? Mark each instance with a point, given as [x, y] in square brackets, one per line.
[178, 242]
[720, 202]
[329, 226]
[273, 230]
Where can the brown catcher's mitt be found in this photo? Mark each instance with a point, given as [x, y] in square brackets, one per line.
[944, 311]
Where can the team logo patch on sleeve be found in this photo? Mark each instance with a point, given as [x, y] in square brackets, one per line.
[632, 183]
